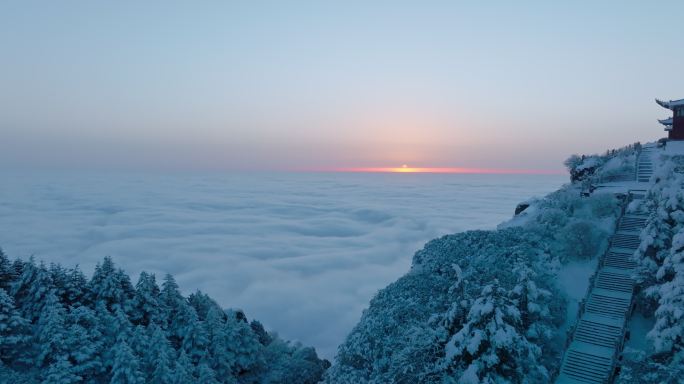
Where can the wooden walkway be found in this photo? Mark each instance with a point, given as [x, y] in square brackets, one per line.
[596, 340]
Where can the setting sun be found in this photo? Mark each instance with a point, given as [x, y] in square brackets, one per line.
[462, 170]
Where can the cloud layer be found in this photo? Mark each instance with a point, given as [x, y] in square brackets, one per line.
[303, 253]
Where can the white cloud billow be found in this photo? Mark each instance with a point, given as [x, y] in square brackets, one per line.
[303, 253]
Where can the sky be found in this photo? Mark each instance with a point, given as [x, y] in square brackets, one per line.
[289, 85]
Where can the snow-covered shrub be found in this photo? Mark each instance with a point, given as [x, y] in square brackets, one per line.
[623, 164]
[603, 205]
[552, 218]
[638, 368]
[582, 167]
[578, 240]
[616, 162]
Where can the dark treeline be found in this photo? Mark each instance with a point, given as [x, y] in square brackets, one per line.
[56, 326]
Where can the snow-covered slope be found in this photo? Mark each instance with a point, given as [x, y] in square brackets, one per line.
[494, 306]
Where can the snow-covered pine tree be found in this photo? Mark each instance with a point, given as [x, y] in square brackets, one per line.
[18, 268]
[59, 281]
[122, 325]
[6, 271]
[262, 335]
[85, 343]
[109, 326]
[140, 343]
[221, 358]
[205, 374]
[183, 370]
[244, 344]
[183, 327]
[666, 200]
[146, 305]
[305, 367]
[191, 332]
[458, 311]
[61, 371]
[115, 328]
[51, 333]
[159, 358]
[489, 348]
[533, 304]
[668, 333]
[14, 333]
[76, 288]
[125, 367]
[111, 286]
[31, 290]
[202, 304]
[171, 300]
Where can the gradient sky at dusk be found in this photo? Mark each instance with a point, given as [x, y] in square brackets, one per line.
[314, 85]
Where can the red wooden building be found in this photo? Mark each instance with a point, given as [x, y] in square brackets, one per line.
[675, 124]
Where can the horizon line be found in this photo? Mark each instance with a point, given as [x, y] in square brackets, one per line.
[446, 170]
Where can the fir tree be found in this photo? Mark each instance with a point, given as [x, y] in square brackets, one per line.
[205, 374]
[31, 290]
[489, 347]
[533, 304]
[243, 345]
[182, 372]
[202, 304]
[111, 286]
[108, 325]
[126, 367]
[76, 288]
[141, 345]
[60, 279]
[192, 333]
[262, 335]
[61, 371]
[146, 306]
[668, 333]
[160, 357]
[170, 299]
[222, 357]
[14, 332]
[6, 271]
[85, 343]
[51, 333]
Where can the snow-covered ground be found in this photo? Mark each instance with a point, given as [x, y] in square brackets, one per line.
[573, 281]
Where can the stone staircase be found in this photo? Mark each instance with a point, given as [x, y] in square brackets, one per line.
[596, 340]
[645, 163]
[593, 348]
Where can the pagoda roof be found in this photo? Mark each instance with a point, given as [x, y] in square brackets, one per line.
[667, 123]
[670, 104]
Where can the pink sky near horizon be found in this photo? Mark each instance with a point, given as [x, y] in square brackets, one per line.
[453, 170]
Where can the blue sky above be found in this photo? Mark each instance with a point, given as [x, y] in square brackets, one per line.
[300, 85]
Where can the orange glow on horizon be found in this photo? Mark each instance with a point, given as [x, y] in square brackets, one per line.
[461, 170]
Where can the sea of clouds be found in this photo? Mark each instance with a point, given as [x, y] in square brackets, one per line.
[302, 253]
